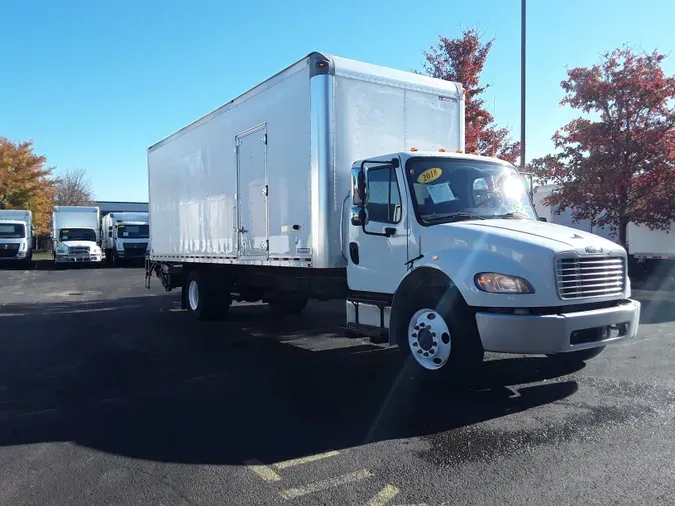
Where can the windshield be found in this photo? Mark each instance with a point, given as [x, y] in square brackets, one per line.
[133, 231]
[447, 189]
[12, 231]
[77, 234]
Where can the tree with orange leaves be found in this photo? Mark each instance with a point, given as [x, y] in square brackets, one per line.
[25, 182]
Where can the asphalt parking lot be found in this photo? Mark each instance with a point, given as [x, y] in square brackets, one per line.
[109, 394]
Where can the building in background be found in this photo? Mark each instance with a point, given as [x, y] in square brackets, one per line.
[107, 206]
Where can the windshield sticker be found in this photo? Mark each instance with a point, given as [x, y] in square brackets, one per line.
[429, 175]
[441, 193]
[125, 234]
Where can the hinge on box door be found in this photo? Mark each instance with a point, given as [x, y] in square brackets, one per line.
[264, 139]
[266, 244]
[265, 190]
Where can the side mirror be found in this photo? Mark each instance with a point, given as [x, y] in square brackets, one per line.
[362, 186]
[541, 218]
[359, 216]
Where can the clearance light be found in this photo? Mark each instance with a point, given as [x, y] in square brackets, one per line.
[413, 149]
[474, 152]
[459, 151]
[442, 150]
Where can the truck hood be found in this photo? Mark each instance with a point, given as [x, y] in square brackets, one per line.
[557, 237]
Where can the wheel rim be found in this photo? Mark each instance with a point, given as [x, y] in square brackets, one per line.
[193, 295]
[429, 339]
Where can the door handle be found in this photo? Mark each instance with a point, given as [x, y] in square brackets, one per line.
[389, 231]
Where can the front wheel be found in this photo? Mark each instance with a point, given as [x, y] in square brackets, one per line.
[439, 333]
[576, 357]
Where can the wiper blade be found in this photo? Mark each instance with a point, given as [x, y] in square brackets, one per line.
[511, 215]
[455, 217]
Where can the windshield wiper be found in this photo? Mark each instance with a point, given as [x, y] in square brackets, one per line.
[454, 217]
[512, 214]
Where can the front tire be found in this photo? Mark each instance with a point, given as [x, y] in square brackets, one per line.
[438, 334]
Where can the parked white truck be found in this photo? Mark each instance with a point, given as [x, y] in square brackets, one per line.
[648, 250]
[16, 236]
[125, 236]
[341, 179]
[75, 235]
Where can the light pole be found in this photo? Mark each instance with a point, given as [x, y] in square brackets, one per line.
[522, 85]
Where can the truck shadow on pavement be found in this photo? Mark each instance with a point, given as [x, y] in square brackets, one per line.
[135, 377]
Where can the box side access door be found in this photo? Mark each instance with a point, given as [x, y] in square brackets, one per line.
[252, 206]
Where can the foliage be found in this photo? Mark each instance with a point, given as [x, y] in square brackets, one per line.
[25, 182]
[618, 166]
[73, 188]
[462, 60]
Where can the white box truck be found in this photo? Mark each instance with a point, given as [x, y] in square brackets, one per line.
[75, 235]
[649, 251]
[341, 179]
[125, 236]
[16, 236]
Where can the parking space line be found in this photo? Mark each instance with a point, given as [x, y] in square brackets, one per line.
[384, 496]
[325, 484]
[305, 460]
[265, 472]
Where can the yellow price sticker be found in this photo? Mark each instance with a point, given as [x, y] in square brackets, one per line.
[429, 175]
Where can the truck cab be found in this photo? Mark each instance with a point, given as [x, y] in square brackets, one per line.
[75, 235]
[446, 252]
[16, 236]
[125, 236]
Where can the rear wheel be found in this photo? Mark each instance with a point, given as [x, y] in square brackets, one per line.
[437, 333]
[576, 357]
[202, 298]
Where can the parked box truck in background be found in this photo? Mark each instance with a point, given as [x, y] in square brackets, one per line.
[650, 251]
[76, 235]
[341, 179]
[125, 236]
[16, 236]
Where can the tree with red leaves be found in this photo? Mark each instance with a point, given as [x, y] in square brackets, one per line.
[618, 166]
[462, 60]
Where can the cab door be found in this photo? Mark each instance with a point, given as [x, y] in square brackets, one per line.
[378, 230]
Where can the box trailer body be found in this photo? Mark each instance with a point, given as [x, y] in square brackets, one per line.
[262, 180]
[648, 249]
[76, 235]
[341, 179]
[16, 236]
[125, 236]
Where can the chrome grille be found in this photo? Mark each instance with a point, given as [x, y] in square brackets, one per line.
[79, 250]
[592, 276]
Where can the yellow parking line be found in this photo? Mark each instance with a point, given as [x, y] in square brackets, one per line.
[265, 472]
[384, 496]
[292, 493]
[305, 460]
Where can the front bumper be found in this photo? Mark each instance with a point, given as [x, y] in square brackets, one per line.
[78, 258]
[558, 333]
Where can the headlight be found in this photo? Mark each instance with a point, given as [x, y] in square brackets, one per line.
[62, 250]
[493, 282]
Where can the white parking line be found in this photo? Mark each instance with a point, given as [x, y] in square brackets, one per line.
[325, 484]
[384, 496]
[265, 472]
[305, 460]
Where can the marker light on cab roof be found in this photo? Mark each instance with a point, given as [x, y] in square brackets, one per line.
[413, 149]
[441, 150]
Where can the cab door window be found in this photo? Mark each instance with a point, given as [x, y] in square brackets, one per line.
[384, 198]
